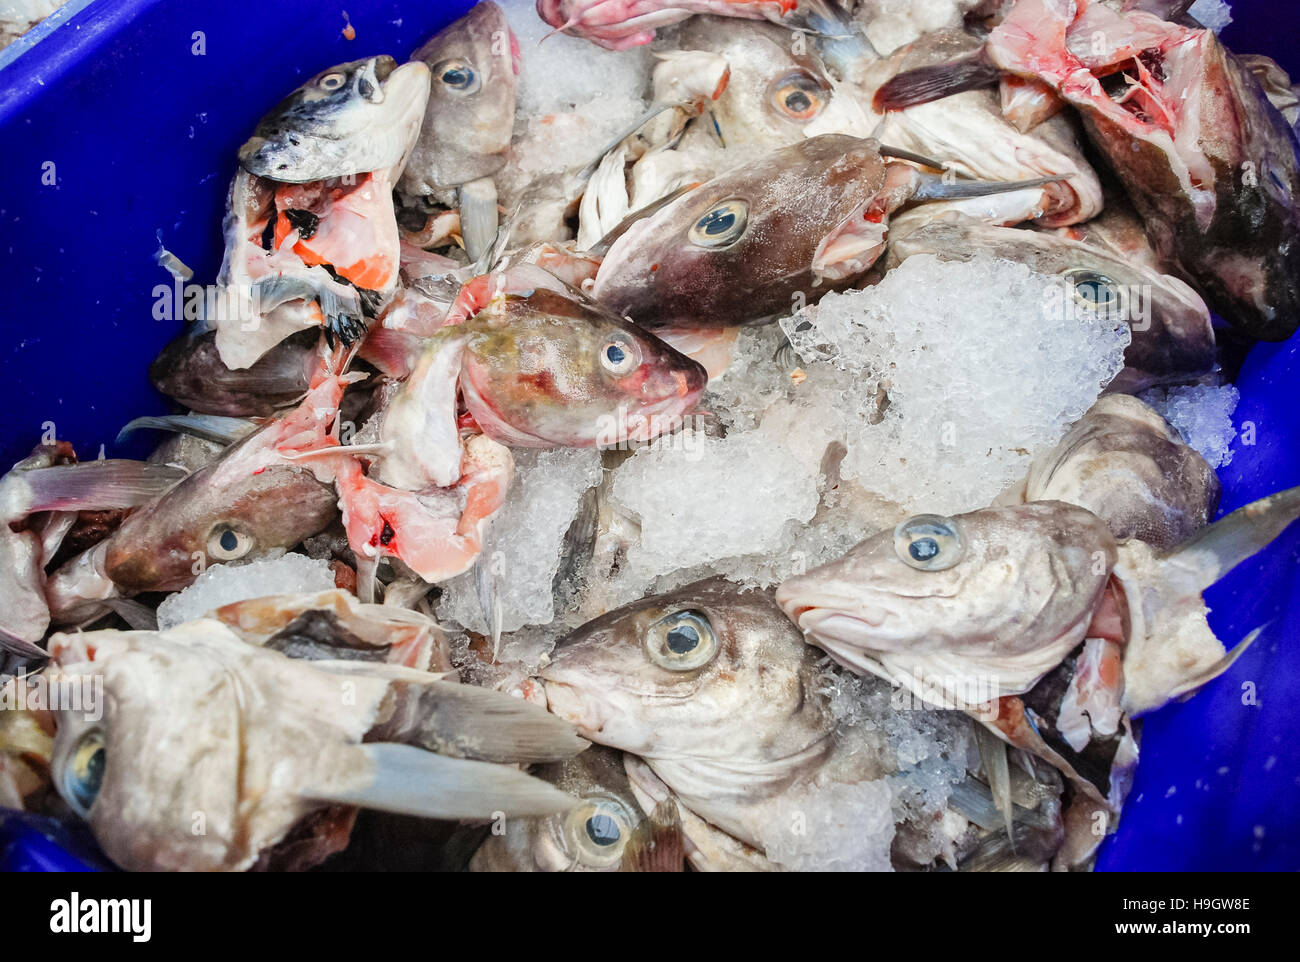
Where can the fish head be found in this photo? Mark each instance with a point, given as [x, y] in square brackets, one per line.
[590, 837]
[552, 368]
[191, 371]
[169, 753]
[711, 669]
[773, 96]
[467, 127]
[995, 597]
[237, 508]
[355, 118]
[749, 243]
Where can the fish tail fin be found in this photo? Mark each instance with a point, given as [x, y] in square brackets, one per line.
[924, 84]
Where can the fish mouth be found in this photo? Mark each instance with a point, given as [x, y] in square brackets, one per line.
[565, 701]
[834, 617]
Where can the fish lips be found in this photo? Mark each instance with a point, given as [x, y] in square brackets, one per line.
[367, 125]
[835, 618]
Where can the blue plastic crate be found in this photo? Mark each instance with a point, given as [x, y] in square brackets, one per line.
[140, 106]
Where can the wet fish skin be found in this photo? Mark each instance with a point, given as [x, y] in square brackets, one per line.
[190, 371]
[1016, 599]
[534, 375]
[1125, 464]
[622, 24]
[353, 118]
[795, 198]
[468, 122]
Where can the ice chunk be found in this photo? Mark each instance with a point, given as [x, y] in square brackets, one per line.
[700, 500]
[566, 73]
[1202, 414]
[948, 377]
[1214, 14]
[835, 828]
[525, 542]
[224, 584]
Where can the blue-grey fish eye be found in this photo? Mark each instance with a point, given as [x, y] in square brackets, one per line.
[929, 542]
[227, 543]
[458, 75]
[722, 225]
[595, 830]
[682, 641]
[83, 775]
[619, 355]
[1093, 290]
[332, 81]
[602, 829]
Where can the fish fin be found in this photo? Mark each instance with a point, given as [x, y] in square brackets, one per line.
[656, 844]
[653, 111]
[993, 757]
[606, 242]
[140, 617]
[897, 153]
[1190, 685]
[489, 601]
[411, 781]
[96, 485]
[208, 427]
[935, 188]
[924, 84]
[1215, 550]
[464, 721]
[20, 646]
[478, 216]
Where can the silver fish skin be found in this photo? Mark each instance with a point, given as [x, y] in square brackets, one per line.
[353, 118]
[471, 109]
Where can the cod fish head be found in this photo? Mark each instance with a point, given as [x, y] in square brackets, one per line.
[710, 670]
[230, 510]
[471, 112]
[992, 599]
[745, 245]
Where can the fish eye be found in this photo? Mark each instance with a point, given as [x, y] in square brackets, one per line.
[84, 773]
[1095, 291]
[332, 81]
[459, 75]
[721, 226]
[620, 355]
[228, 544]
[799, 97]
[929, 542]
[597, 829]
[682, 641]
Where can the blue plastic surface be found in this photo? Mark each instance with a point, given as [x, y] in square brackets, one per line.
[142, 132]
